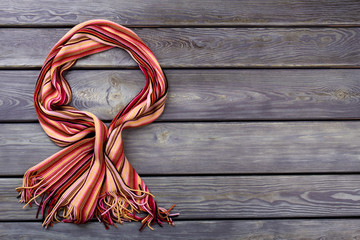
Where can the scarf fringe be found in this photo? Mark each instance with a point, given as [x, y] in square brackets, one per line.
[117, 209]
[111, 208]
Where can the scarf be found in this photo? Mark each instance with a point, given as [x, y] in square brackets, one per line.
[91, 177]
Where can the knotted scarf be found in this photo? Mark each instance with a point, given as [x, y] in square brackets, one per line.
[91, 176]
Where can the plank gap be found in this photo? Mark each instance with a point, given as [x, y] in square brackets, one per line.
[260, 174]
[185, 121]
[215, 219]
[304, 67]
[250, 25]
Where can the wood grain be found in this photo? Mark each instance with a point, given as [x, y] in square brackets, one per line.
[197, 229]
[201, 47]
[233, 196]
[229, 60]
[201, 94]
[188, 12]
[203, 148]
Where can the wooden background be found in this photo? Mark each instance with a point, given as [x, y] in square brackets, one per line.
[259, 139]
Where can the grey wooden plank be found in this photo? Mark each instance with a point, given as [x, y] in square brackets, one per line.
[203, 148]
[201, 47]
[188, 12]
[201, 94]
[217, 197]
[231, 229]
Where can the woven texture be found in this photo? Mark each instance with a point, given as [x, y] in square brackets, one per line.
[91, 176]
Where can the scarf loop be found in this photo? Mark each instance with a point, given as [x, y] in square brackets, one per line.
[91, 177]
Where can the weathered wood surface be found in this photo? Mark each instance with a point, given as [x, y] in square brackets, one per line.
[180, 13]
[233, 196]
[201, 47]
[232, 94]
[202, 148]
[197, 229]
[217, 173]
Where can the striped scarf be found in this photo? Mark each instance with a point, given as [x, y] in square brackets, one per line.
[91, 176]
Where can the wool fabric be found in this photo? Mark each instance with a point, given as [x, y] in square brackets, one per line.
[91, 177]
